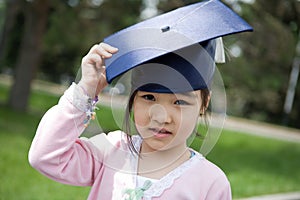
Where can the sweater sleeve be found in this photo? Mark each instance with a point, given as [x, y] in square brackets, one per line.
[220, 189]
[56, 151]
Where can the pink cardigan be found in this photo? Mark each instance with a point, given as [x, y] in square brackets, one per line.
[105, 163]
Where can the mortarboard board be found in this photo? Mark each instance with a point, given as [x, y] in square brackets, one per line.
[158, 39]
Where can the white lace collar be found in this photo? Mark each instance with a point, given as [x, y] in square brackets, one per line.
[167, 181]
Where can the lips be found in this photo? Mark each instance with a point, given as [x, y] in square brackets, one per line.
[160, 132]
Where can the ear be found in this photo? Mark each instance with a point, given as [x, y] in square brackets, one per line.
[206, 104]
[208, 100]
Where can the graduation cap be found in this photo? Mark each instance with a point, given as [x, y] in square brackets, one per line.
[186, 69]
[187, 40]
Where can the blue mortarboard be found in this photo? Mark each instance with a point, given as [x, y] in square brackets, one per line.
[162, 40]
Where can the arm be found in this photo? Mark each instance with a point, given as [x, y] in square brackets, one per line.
[56, 150]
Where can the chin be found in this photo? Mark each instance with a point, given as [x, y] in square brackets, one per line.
[153, 145]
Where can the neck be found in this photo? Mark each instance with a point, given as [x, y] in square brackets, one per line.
[155, 164]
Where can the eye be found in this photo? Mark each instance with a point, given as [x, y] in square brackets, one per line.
[148, 97]
[181, 102]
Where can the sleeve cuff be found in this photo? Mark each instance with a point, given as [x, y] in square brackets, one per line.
[76, 96]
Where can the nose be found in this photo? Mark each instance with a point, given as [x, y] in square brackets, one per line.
[159, 114]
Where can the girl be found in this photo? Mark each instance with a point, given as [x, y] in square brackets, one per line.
[156, 163]
[150, 159]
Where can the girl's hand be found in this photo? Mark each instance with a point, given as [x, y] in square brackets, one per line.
[93, 79]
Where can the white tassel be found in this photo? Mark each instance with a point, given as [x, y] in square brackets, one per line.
[220, 53]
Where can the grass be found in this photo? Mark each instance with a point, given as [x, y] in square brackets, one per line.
[18, 180]
[253, 165]
[256, 165]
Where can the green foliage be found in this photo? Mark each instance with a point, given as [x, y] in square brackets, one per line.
[256, 81]
[72, 30]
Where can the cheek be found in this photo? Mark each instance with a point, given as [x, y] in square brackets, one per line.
[187, 122]
[140, 115]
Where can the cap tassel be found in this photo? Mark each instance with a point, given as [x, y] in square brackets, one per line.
[220, 53]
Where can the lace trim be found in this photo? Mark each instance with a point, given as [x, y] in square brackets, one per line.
[82, 102]
[167, 181]
[77, 97]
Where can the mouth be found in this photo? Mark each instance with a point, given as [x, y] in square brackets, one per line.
[160, 133]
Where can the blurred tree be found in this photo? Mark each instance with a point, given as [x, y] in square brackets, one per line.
[288, 13]
[13, 8]
[35, 20]
[84, 24]
[257, 81]
[62, 30]
[256, 78]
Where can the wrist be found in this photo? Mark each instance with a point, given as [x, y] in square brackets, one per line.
[87, 89]
[83, 101]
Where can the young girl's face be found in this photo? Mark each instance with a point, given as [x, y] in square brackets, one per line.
[166, 120]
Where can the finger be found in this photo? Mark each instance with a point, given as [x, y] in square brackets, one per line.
[100, 51]
[103, 75]
[93, 59]
[101, 69]
[97, 49]
[108, 47]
